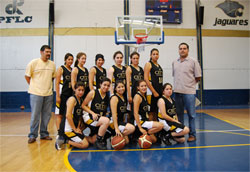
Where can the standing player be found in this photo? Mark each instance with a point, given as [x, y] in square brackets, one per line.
[168, 117]
[97, 72]
[117, 71]
[134, 73]
[153, 75]
[63, 78]
[72, 130]
[141, 113]
[96, 118]
[80, 73]
[118, 110]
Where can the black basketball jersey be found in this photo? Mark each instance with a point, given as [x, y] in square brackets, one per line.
[99, 104]
[83, 76]
[170, 107]
[119, 74]
[121, 108]
[143, 108]
[66, 84]
[99, 76]
[156, 74]
[77, 113]
[135, 77]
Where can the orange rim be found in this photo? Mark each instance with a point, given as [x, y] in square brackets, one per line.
[141, 37]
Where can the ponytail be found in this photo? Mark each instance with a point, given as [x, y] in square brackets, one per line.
[78, 56]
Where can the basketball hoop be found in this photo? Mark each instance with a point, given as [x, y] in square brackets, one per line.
[141, 38]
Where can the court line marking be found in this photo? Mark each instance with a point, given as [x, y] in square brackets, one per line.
[226, 121]
[66, 160]
[201, 130]
[17, 135]
[68, 165]
[223, 131]
[153, 149]
[197, 130]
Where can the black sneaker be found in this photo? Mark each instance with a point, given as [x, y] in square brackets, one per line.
[166, 141]
[165, 137]
[100, 144]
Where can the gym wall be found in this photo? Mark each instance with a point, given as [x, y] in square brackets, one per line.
[89, 25]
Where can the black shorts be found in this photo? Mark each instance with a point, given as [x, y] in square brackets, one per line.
[74, 137]
[153, 104]
[62, 108]
[171, 126]
[175, 126]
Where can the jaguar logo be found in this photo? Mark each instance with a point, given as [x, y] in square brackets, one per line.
[231, 8]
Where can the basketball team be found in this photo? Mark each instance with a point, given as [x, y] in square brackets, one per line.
[122, 101]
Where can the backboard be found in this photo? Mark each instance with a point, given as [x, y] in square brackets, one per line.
[149, 29]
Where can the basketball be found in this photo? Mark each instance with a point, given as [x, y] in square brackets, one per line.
[118, 142]
[144, 141]
[22, 107]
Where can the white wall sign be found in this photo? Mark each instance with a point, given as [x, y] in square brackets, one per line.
[234, 10]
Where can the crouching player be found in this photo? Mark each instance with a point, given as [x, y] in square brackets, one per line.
[168, 117]
[72, 131]
[118, 106]
[95, 118]
[141, 113]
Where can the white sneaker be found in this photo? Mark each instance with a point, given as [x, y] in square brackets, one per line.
[58, 144]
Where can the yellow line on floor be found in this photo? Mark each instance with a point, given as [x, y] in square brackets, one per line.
[66, 161]
[227, 121]
[229, 132]
[154, 149]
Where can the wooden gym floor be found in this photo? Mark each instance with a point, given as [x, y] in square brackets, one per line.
[17, 155]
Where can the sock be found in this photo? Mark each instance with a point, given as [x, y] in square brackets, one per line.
[99, 138]
[66, 141]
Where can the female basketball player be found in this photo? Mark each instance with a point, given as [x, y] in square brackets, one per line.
[118, 110]
[80, 73]
[97, 72]
[73, 122]
[153, 75]
[141, 112]
[63, 77]
[168, 117]
[134, 73]
[96, 118]
[117, 71]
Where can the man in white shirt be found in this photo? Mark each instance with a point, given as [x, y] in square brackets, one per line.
[186, 73]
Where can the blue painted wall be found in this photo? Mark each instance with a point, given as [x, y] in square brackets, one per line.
[226, 97]
[13, 100]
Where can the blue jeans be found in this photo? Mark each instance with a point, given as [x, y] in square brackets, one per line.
[187, 101]
[41, 107]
